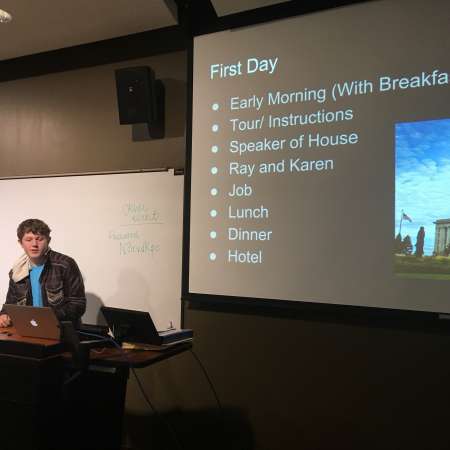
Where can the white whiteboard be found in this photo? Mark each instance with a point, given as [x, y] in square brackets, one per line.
[124, 231]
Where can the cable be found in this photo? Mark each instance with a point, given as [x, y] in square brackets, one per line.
[209, 380]
[109, 338]
[72, 378]
[152, 407]
[222, 412]
[166, 423]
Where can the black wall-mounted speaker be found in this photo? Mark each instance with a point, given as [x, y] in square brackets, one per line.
[141, 99]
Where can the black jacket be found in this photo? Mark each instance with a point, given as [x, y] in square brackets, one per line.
[61, 284]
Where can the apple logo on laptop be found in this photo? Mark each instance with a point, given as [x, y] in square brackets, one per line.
[34, 323]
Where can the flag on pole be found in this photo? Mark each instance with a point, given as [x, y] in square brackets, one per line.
[406, 217]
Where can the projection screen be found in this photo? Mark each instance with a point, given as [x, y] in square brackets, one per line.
[320, 159]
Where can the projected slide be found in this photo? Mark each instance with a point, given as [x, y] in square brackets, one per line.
[320, 158]
[422, 242]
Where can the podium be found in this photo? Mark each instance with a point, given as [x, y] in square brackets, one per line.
[29, 399]
[47, 405]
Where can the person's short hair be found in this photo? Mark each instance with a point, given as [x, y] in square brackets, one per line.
[35, 226]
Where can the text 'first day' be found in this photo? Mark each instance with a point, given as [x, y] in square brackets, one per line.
[253, 65]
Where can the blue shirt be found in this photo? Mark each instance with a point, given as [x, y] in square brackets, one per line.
[35, 274]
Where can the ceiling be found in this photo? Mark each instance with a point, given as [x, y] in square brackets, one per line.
[44, 25]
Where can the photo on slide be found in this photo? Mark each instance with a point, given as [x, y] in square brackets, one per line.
[422, 200]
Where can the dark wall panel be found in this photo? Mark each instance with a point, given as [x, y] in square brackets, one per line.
[68, 122]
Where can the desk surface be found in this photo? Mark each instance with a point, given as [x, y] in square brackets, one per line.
[10, 334]
[13, 344]
[135, 358]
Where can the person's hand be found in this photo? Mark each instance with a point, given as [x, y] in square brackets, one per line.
[5, 321]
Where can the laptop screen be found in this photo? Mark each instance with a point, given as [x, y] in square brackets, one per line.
[131, 326]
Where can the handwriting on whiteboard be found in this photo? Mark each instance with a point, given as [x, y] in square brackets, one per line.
[138, 213]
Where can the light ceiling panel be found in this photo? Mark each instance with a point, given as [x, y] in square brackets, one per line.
[44, 25]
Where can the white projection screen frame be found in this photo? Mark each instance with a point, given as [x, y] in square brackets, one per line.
[316, 141]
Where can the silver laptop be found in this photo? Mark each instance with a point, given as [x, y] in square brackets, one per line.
[30, 321]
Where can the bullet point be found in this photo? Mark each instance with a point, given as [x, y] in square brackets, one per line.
[212, 256]
[215, 128]
[214, 191]
[215, 106]
[214, 170]
[212, 234]
[213, 213]
[214, 149]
